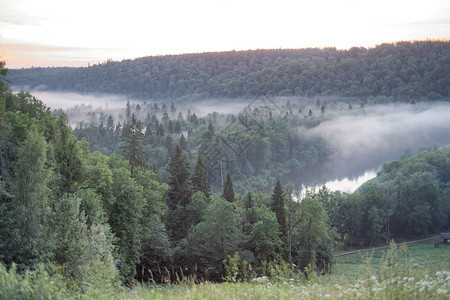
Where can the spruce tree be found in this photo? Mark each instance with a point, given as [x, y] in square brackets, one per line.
[178, 195]
[279, 209]
[134, 140]
[183, 143]
[200, 179]
[69, 164]
[179, 183]
[128, 111]
[249, 201]
[228, 191]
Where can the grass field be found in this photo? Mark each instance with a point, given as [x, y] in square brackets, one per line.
[418, 272]
[418, 256]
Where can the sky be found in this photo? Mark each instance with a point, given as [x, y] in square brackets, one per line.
[80, 32]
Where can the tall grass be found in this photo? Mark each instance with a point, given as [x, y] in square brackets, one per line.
[422, 272]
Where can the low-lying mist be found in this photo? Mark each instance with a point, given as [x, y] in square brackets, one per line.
[360, 140]
[79, 107]
[379, 134]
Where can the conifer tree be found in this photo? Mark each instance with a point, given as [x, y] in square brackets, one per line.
[200, 180]
[249, 201]
[183, 143]
[178, 195]
[279, 209]
[69, 164]
[128, 112]
[228, 191]
[179, 183]
[133, 148]
[178, 126]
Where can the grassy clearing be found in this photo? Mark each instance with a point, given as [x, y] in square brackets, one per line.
[418, 256]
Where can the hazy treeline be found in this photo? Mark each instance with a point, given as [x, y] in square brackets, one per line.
[398, 71]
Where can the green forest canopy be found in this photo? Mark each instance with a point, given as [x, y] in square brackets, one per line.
[403, 70]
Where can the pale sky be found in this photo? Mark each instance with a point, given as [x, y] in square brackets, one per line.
[77, 32]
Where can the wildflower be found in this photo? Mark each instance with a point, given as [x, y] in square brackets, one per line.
[373, 278]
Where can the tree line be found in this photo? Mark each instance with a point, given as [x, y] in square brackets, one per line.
[403, 70]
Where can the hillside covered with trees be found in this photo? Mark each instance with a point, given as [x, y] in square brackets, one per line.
[401, 71]
[155, 204]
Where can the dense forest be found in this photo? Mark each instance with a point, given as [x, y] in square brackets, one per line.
[253, 145]
[404, 71]
[166, 195]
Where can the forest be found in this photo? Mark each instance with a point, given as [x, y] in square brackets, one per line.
[167, 194]
[400, 71]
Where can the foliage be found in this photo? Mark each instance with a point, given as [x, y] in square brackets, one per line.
[90, 219]
[133, 144]
[125, 221]
[311, 236]
[210, 242]
[264, 237]
[402, 70]
[278, 207]
[156, 252]
[32, 207]
[228, 191]
[200, 180]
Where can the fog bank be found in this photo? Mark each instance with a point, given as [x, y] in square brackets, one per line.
[381, 133]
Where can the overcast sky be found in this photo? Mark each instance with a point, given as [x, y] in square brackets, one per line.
[78, 32]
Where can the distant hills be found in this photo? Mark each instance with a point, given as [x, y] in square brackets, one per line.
[400, 71]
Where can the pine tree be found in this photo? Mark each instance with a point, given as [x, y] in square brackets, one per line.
[110, 125]
[179, 183]
[178, 195]
[178, 126]
[128, 112]
[133, 148]
[183, 143]
[279, 209]
[249, 201]
[228, 191]
[69, 164]
[200, 179]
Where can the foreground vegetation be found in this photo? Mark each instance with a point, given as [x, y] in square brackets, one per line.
[420, 272]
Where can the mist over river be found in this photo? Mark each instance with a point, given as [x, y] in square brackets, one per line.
[359, 142]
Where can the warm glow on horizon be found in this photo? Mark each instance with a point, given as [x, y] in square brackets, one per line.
[75, 33]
